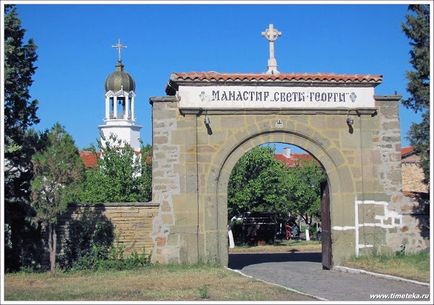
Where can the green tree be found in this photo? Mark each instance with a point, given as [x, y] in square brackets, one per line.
[58, 172]
[257, 184]
[260, 183]
[121, 174]
[146, 171]
[417, 29]
[304, 185]
[19, 142]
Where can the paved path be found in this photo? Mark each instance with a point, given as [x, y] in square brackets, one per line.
[303, 272]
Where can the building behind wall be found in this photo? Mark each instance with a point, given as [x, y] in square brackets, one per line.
[412, 172]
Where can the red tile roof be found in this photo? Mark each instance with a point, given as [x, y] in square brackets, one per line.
[406, 150]
[294, 160]
[89, 158]
[197, 77]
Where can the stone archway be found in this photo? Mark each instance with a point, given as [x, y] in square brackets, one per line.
[300, 140]
[201, 130]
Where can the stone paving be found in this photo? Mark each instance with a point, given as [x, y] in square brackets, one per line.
[303, 272]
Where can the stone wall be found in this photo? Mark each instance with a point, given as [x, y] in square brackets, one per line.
[410, 230]
[166, 178]
[412, 175]
[132, 222]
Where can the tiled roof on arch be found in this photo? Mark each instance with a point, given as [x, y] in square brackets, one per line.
[293, 78]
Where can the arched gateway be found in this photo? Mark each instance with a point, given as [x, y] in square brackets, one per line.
[209, 120]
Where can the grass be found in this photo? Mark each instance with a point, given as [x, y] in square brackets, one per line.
[153, 283]
[410, 266]
[281, 247]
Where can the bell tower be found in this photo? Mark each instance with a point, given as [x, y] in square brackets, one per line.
[119, 119]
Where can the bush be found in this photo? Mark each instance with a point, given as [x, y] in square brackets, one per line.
[115, 260]
[89, 240]
[90, 246]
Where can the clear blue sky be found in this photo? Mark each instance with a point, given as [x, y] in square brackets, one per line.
[75, 53]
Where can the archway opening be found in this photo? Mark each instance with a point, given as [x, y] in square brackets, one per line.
[278, 207]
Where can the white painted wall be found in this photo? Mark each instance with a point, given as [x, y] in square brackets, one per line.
[218, 97]
[124, 131]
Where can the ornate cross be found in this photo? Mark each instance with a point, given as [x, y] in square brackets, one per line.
[119, 46]
[271, 34]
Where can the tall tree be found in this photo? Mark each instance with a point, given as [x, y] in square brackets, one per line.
[20, 144]
[58, 171]
[417, 29]
[20, 112]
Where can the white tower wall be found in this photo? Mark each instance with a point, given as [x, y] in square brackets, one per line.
[124, 130]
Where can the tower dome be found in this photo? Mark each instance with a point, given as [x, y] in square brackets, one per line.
[120, 117]
[120, 79]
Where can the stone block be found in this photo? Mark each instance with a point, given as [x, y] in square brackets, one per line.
[189, 251]
[346, 183]
[391, 139]
[337, 122]
[349, 141]
[164, 114]
[187, 122]
[160, 140]
[212, 247]
[232, 122]
[343, 246]
[391, 125]
[204, 158]
[185, 203]
[165, 207]
[319, 123]
[167, 218]
[375, 236]
[206, 149]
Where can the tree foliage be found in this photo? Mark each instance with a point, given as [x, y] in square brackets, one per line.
[90, 238]
[304, 184]
[19, 111]
[417, 29]
[260, 183]
[256, 183]
[20, 143]
[121, 174]
[58, 172]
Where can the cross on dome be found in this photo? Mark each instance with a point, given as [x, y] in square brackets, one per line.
[119, 46]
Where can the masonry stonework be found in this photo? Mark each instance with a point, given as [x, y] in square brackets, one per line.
[132, 222]
[192, 162]
[412, 175]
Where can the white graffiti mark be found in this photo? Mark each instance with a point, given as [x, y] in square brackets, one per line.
[344, 228]
[389, 220]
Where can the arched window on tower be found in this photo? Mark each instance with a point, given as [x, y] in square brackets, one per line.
[121, 107]
[112, 107]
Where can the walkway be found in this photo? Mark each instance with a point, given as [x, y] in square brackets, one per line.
[303, 272]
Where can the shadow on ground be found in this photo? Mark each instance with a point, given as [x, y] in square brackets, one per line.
[240, 260]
